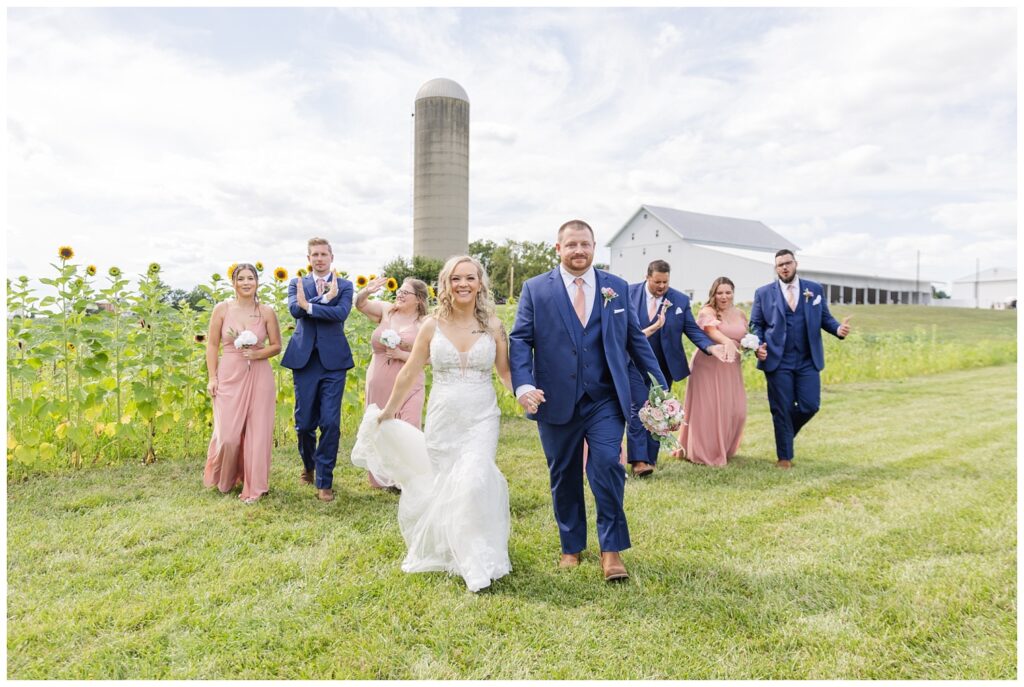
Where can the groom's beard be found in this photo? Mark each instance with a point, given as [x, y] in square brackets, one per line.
[790, 280]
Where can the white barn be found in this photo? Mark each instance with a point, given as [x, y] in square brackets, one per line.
[700, 248]
[995, 287]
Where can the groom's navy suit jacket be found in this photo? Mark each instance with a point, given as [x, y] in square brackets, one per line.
[544, 348]
[323, 331]
[768, 322]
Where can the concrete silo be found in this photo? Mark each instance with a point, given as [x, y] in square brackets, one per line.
[440, 226]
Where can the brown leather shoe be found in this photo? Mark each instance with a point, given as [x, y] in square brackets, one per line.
[306, 477]
[612, 566]
[569, 560]
[641, 469]
[325, 494]
[785, 464]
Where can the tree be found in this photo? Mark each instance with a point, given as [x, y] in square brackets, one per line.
[511, 264]
[421, 267]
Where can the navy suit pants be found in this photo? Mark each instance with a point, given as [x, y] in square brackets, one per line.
[318, 393]
[601, 424]
[794, 396]
[641, 446]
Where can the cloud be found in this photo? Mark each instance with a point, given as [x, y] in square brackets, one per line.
[839, 128]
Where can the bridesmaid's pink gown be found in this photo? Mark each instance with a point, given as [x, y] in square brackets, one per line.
[243, 419]
[716, 402]
[380, 378]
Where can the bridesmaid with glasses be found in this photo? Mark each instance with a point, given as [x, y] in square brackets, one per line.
[397, 326]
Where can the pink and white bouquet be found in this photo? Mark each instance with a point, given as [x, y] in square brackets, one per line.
[245, 339]
[662, 415]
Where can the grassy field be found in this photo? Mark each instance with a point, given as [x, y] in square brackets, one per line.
[889, 551]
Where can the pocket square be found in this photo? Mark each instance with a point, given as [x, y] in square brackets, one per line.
[679, 311]
[817, 300]
[619, 310]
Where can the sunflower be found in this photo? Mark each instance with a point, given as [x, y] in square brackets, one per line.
[372, 277]
[114, 272]
[65, 253]
[200, 338]
[309, 268]
[231, 269]
[154, 268]
[71, 347]
[280, 274]
[215, 277]
[391, 284]
[300, 272]
[91, 270]
[258, 266]
[361, 281]
[430, 292]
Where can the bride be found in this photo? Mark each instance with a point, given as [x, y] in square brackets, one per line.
[453, 512]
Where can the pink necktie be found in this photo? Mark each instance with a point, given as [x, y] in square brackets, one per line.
[652, 307]
[791, 296]
[320, 287]
[579, 301]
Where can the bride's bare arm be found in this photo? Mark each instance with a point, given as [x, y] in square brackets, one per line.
[413, 366]
[501, 353]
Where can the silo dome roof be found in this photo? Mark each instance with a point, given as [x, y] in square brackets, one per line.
[442, 88]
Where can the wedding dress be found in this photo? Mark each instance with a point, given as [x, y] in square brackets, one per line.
[453, 511]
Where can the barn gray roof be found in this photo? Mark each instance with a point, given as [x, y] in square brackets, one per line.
[712, 229]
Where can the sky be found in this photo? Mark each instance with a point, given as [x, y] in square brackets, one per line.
[201, 137]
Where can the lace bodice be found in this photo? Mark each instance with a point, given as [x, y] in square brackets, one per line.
[450, 366]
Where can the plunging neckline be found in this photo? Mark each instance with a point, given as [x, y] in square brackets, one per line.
[468, 350]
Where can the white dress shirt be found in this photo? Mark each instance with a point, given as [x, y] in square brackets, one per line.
[318, 298]
[785, 287]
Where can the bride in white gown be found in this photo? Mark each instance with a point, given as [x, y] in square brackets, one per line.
[453, 512]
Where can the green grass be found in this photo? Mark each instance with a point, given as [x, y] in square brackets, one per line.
[889, 551]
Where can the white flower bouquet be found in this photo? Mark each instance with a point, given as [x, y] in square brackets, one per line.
[390, 338]
[662, 415]
[750, 342]
[245, 339]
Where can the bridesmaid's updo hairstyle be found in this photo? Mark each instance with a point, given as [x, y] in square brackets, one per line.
[255, 275]
[714, 289]
[422, 294]
[484, 302]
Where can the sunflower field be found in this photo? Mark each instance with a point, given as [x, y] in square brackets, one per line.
[102, 369]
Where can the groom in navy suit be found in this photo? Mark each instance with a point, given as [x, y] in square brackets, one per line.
[654, 301]
[788, 316]
[574, 336]
[319, 357]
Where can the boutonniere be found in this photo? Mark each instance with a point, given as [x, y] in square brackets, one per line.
[609, 294]
[807, 295]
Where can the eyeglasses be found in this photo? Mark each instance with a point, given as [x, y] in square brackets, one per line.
[785, 264]
[405, 292]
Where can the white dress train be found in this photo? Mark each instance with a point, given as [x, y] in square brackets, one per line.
[453, 511]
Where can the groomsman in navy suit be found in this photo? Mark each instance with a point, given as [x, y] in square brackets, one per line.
[665, 316]
[574, 336]
[788, 316]
[319, 357]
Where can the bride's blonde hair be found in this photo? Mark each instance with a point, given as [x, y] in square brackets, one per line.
[484, 309]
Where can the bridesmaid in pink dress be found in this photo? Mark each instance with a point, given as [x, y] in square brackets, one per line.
[243, 391]
[716, 402]
[403, 318]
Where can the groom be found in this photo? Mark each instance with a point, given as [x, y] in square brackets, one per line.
[788, 316]
[319, 358]
[574, 335]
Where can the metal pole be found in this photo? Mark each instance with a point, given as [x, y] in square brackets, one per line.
[917, 279]
[977, 277]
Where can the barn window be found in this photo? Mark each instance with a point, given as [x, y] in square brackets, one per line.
[670, 248]
[656, 233]
[645, 251]
[620, 253]
[632, 236]
[645, 215]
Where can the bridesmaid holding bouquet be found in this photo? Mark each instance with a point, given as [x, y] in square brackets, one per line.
[242, 388]
[716, 402]
[397, 326]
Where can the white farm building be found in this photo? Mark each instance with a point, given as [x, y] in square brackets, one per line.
[700, 248]
[995, 287]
